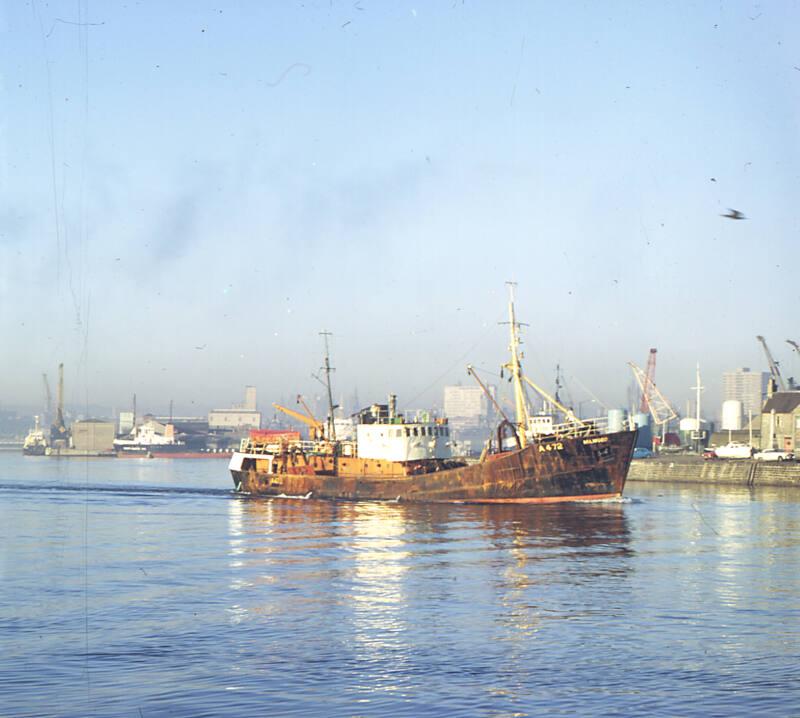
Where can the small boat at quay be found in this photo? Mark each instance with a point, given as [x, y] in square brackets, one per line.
[401, 457]
[35, 443]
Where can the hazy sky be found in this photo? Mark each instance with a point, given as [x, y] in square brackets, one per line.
[191, 191]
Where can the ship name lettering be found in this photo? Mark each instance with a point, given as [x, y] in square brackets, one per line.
[596, 440]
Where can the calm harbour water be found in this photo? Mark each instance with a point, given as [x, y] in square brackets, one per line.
[146, 588]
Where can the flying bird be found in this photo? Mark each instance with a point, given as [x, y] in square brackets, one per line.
[733, 214]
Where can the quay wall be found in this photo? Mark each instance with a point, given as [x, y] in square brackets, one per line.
[692, 469]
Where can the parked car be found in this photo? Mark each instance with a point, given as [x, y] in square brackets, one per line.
[773, 455]
[640, 452]
[734, 450]
[709, 455]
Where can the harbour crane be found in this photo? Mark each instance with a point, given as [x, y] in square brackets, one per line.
[649, 380]
[796, 347]
[48, 401]
[58, 430]
[774, 370]
[316, 427]
[654, 401]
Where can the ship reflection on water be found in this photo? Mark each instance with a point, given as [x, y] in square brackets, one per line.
[380, 586]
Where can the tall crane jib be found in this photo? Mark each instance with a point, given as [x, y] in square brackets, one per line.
[774, 369]
[649, 380]
[58, 430]
[792, 383]
[48, 402]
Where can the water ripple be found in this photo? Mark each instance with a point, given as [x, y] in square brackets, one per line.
[138, 592]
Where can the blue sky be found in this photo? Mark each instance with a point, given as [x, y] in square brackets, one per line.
[238, 176]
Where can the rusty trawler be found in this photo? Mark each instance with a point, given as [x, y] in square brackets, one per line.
[399, 457]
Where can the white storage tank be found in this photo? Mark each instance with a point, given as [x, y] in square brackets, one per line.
[688, 424]
[616, 420]
[731, 415]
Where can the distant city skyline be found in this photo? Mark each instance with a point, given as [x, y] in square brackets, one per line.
[191, 192]
[741, 384]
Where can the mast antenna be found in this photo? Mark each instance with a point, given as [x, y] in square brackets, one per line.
[698, 435]
[558, 382]
[328, 369]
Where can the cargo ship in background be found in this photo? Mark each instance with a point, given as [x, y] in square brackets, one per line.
[154, 440]
[151, 438]
[399, 457]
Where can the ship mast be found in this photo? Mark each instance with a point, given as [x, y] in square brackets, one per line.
[328, 369]
[698, 435]
[515, 367]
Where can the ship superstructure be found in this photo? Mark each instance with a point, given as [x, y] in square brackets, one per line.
[150, 438]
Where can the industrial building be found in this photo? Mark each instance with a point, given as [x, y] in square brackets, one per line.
[93, 436]
[221, 419]
[239, 417]
[226, 427]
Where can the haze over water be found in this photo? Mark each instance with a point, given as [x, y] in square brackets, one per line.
[142, 588]
[191, 191]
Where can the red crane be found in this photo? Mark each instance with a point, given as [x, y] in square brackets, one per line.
[649, 381]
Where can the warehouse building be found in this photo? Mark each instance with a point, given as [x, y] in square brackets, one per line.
[92, 435]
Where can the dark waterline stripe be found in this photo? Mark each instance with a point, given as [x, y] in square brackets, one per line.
[117, 490]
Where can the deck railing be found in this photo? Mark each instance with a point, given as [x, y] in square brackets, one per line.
[584, 427]
[254, 446]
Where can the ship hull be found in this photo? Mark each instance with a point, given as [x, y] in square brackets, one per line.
[148, 450]
[551, 470]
